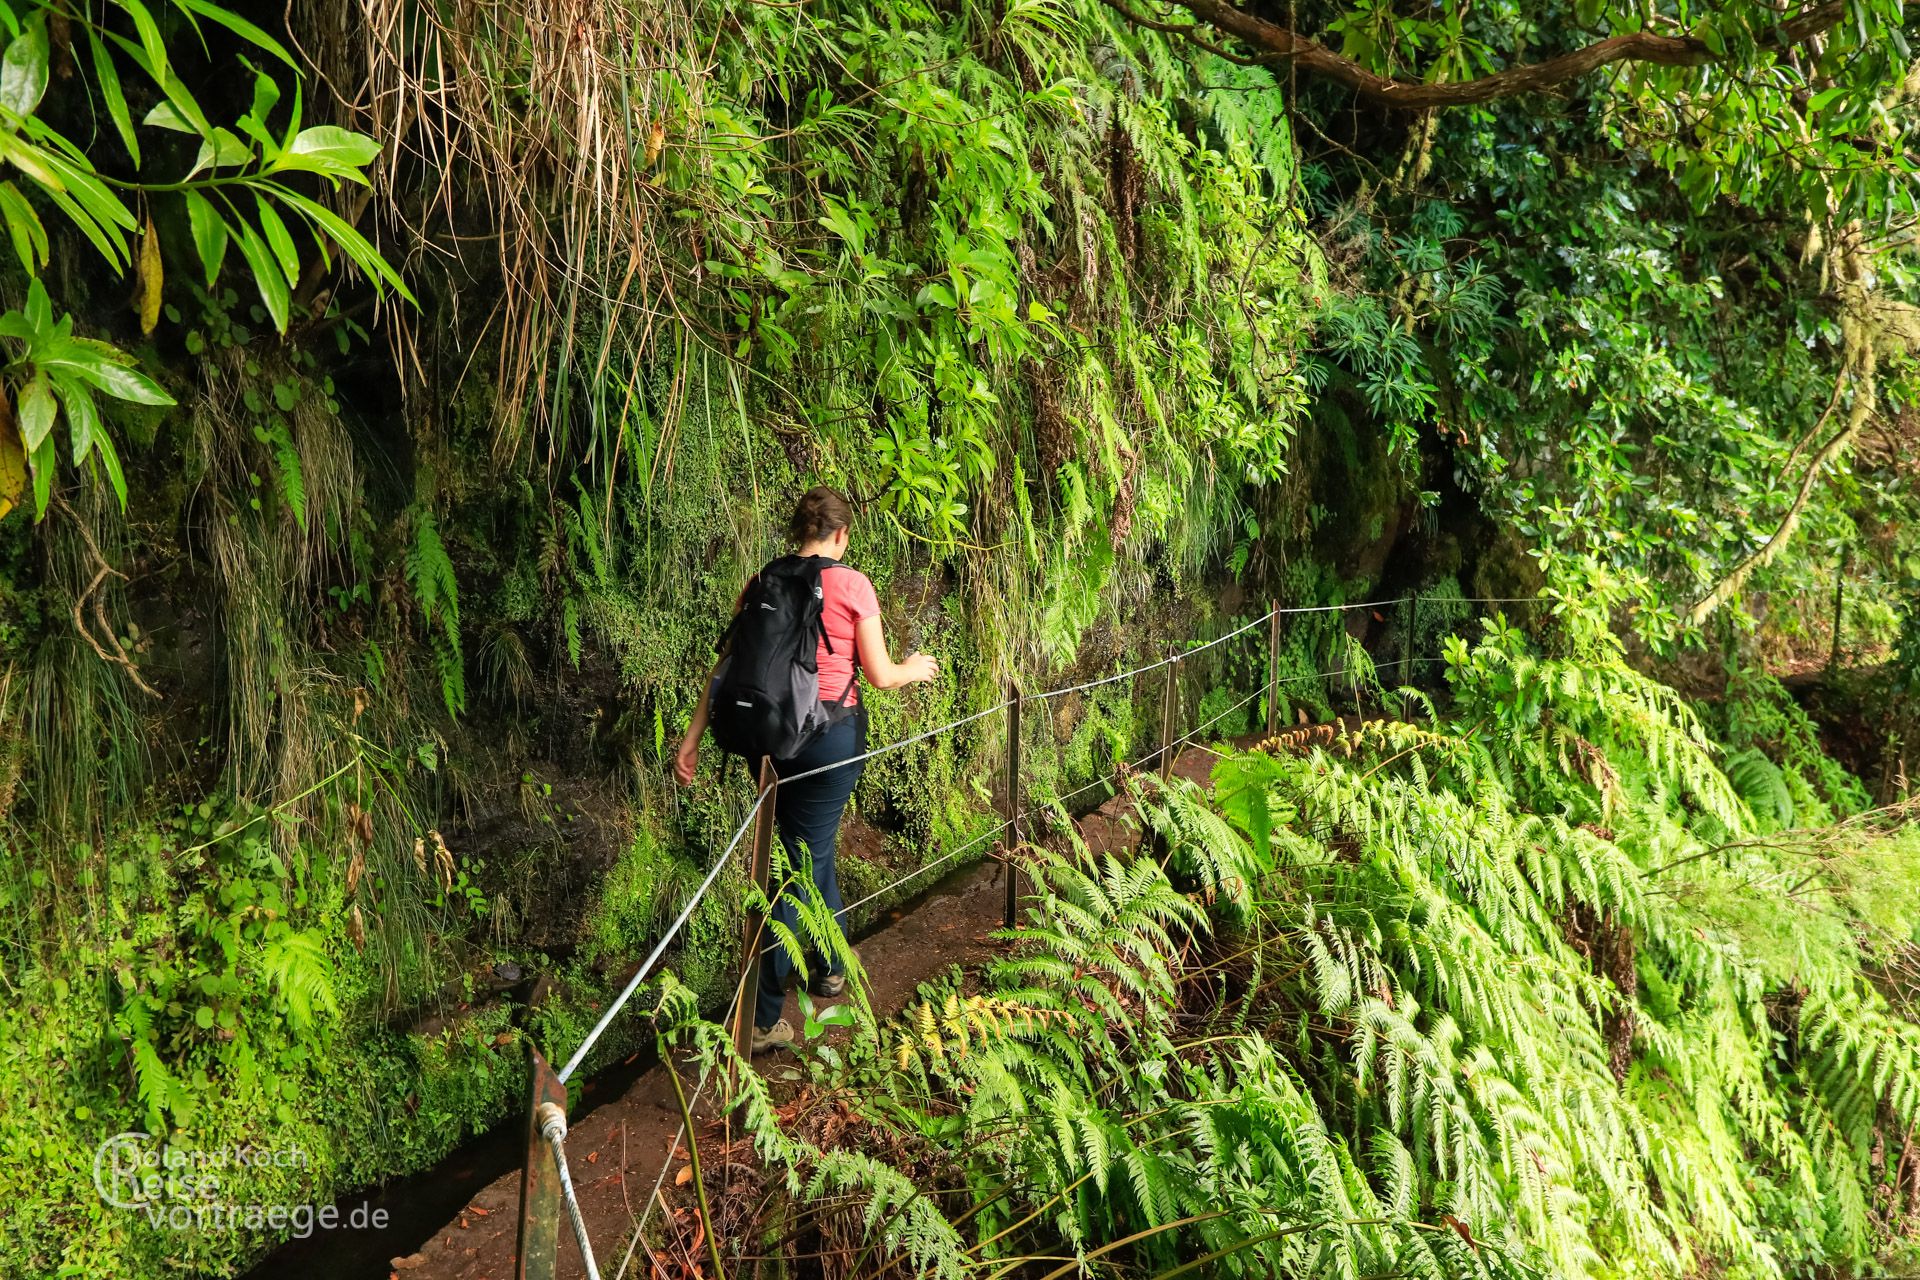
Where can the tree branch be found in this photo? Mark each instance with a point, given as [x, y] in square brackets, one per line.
[1278, 44]
[1731, 584]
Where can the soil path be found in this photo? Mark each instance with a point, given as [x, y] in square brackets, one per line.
[616, 1151]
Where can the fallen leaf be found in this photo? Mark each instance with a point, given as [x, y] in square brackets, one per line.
[593, 1157]
[683, 1177]
[1463, 1230]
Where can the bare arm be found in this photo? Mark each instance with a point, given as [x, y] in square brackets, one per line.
[687, 759]
[881, 670]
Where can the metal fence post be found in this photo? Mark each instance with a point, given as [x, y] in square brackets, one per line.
[756, 920]
[1013, 801]
[1413, 623]
[1273, 669]
[1169, 711]
[540, 1179]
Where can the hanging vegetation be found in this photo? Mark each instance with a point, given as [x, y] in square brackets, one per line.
[395, 395]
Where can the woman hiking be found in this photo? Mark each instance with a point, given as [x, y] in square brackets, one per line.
[806, 632]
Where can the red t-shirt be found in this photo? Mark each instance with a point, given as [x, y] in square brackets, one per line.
[847, 597]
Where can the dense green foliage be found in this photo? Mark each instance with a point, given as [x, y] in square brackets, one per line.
[1527, 989]
[416, 671]
[399, 392]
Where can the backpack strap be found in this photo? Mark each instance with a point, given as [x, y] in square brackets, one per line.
[726, 632]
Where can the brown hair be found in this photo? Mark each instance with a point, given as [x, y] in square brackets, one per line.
[819, 513]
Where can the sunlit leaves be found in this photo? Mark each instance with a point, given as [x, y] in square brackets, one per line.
[335, 152]
[59, 371]
[37, 411]
[24, 228]
[23, 71]
[253, 156]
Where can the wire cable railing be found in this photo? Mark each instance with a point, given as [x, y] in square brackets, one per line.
[753, 813]
[637, 1232]
[759, 820]
[646, 966]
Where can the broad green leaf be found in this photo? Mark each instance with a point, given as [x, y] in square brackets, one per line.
[45, 460]
[107, 240]
[123, 383]
[351, 242]
[239, 26]
[24, 227]
[327, 149]
[23, 71]
[184, 105]
[39, 309]
[334, 143]
[83, 418]
[29, 160]
[224, 150]
[107, 76]
[37, 411]
[152, 46]
[265, 95]
[166, 116]
[209, 234]
[1825, 96]
[254, 124]
[279, 239]
[107, 368]
[274, 290]
[80, 182]
[110, 459]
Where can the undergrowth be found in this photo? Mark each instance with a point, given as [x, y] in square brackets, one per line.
[1528, 987]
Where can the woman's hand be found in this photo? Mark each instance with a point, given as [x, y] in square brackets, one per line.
[687, 759]
[881, 671]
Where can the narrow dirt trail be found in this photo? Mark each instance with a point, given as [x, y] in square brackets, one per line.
[616, 1151]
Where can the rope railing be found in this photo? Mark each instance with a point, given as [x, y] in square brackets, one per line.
[637, 1233]
[760, 821]
[646, 966]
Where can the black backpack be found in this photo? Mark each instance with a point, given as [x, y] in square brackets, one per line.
[766, 697]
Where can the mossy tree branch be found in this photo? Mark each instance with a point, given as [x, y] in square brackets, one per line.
[1274, 43]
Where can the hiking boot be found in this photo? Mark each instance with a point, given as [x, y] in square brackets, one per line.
[777, 1036]
[828, 986]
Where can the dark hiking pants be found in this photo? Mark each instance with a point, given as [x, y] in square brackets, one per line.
[808, 813]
